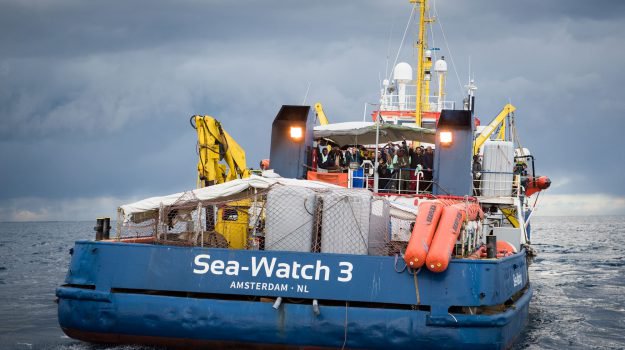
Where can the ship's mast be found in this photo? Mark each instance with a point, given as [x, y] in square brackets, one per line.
[423, 63]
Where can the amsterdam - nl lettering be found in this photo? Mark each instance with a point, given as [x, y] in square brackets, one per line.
[271, 267]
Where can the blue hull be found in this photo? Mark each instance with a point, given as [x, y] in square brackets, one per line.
[121, 293]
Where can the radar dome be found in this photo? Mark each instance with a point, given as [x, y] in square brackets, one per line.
[403, 71]
[440, 65]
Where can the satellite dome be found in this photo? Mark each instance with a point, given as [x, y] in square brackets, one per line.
[440, 65]
[403, 71]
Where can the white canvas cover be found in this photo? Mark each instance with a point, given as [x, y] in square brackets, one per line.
[364, 133]
[137, 211]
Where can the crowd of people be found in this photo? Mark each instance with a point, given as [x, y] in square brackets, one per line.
[398, 164]
[335, 159]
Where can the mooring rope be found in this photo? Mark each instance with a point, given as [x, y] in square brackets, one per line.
[345, 326]
[416, 287]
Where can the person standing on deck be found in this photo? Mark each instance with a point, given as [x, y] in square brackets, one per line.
[324, 164]
[416, 163]
[428, 160]
[403, 162]
[383, 174]
[352, 156]
[477, 174]
[338, 159]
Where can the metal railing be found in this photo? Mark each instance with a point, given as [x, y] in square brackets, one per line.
[413, 181]
[393, 102]
[418, 181]
[400, 181]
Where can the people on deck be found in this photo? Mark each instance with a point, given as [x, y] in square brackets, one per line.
[520, 168]
[416, 157]
[352, 156]
[398, 166]
[337, 158]
[428, 165]
[324, 164]
[416, 163]
[331, 160]
[477, 174]
[383, 174]
[403, 164]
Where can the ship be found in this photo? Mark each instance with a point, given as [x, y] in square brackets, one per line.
[330, 248]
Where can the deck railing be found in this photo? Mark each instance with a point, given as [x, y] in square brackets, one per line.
[497, 184]
[400, 181]
[414, 181]
[393, 102]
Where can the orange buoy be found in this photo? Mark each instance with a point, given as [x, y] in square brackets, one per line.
[422, 233]
[264, 164]
[505, 248]
[445, 238]
[478, 253]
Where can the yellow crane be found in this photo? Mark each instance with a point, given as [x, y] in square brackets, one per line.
[214, 145]
[323, 120]
[490, 128]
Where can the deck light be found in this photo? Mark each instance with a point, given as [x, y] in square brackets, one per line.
[296, 133]
[446, 138]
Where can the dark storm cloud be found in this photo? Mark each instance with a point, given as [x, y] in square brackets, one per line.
[68, 28]
[544, 11]
[95, 96]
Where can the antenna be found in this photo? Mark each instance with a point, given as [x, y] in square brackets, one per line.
[388, 50]
[469, 67]
[401, 44]
[451, 57]
[306, 95]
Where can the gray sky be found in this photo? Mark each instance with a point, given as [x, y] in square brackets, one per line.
[95, 96]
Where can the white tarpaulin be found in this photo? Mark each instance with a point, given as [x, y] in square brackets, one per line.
[135, 211]
[363, 133]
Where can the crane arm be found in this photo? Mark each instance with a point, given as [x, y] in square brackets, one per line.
[485, 134]
[323, 120]
[214, 145]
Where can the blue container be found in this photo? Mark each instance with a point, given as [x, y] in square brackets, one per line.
[358, 180]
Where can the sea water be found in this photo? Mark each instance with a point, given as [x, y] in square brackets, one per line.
[578, 279]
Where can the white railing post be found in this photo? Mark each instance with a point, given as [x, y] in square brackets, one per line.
[419, 176]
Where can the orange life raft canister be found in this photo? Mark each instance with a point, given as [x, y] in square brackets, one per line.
[422, 233]
[449, 227]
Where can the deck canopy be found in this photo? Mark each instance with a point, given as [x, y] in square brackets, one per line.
[143, 209]
[364, 133]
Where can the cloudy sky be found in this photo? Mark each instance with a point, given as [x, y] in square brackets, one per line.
[95, 96]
